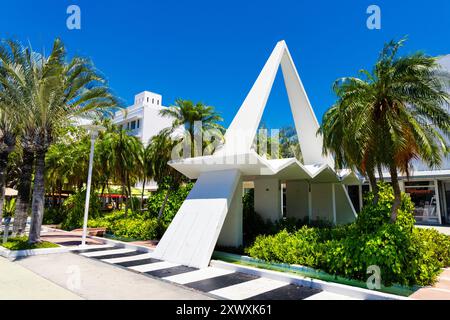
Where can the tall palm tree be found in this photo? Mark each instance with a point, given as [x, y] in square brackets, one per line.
[397, 113]
[158, 154]
[185, 114]
[53, 91]
[7, 143]
[11, 105]
[122, 155]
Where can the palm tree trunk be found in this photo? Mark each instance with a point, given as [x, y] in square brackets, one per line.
[161, 210]
[38, 199]
[373, 185]
[23, 193]
[142, 193]
[397, 193]
[124, 191]
[380, 173]
[3, 164]
[129, 192]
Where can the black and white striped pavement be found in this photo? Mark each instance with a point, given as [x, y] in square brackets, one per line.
[216, 281]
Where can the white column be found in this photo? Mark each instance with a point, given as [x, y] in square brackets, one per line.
[361, 201]
[333, 199]
[438, 202]
[310, 212]
[88, 188]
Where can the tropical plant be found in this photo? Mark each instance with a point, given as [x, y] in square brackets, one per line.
[9, 207]
[122, 155]
[7, 144]
[395, 114]
[51, 91]
[186, 114]
[158, 153]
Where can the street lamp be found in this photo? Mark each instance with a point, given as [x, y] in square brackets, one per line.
[93, 130]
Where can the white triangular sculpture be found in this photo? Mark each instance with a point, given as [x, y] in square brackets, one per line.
[250, 113]
[192, 235]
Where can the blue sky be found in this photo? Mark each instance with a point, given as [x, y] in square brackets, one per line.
[212, 51]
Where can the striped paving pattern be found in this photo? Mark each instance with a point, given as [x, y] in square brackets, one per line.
[219, 282]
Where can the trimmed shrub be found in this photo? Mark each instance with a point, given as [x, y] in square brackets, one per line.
[131, 226]
[405, 254]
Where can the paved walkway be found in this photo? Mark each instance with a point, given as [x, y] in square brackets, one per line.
[73, 238]
[91, 279]
[440, 291]
[17, 282]
[218, 282]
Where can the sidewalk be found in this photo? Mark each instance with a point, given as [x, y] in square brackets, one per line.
[92, 279]
[440, 291]
[16, 282]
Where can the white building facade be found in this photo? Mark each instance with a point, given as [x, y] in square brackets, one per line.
[142, 119]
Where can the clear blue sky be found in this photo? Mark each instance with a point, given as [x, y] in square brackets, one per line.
[212, 51]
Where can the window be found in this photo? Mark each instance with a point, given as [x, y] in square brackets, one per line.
[153, 101]
[424, 196]
[133, 125]
[138, 123]
[157, 102]
[147, 98]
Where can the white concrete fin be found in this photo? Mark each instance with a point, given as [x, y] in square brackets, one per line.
[241, 132]
[193, 233]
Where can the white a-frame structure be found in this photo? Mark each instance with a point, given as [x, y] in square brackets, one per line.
[212, 212]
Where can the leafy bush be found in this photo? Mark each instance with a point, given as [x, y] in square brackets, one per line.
[174, 202]
[9, 208]
[252, 223]
[404, 254]
[73, 209]
[54, 216]
[131, 226]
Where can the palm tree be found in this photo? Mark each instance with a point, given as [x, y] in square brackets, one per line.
[11, 107]
[185, 114]
[158, 154]
[122, 155]
[53, 91]
[392, 116]
[7, 143]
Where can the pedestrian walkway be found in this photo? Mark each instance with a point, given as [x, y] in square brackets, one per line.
[440, 291]
[218, 282]
[16, 282]
[92, 279]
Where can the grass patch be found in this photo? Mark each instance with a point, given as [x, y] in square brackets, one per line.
[21, 243]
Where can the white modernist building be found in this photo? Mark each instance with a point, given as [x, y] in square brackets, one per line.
[142, 119]
[212, 212]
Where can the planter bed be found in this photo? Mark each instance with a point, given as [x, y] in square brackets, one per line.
[308, 272]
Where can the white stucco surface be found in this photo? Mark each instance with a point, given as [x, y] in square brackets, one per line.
[193, 233]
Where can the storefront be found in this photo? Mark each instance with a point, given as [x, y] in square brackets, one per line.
[431, 198]
[425, 196]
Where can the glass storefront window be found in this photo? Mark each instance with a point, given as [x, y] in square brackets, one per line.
[423, 195]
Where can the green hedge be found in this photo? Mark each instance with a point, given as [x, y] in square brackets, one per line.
[174, 202]
[132, 226]
[405, 254]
